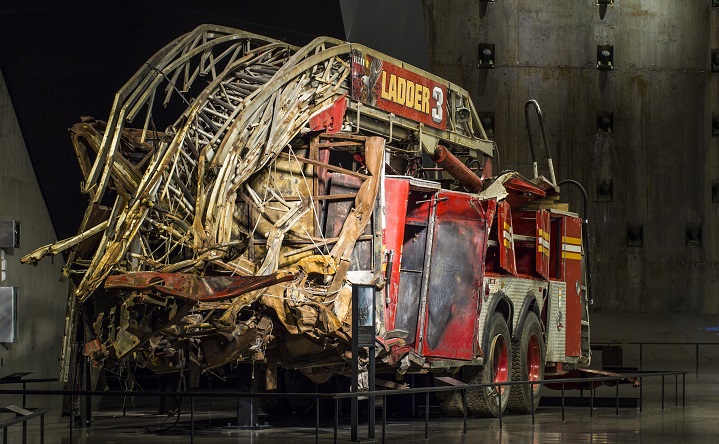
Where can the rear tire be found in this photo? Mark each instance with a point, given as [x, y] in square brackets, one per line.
[490, 401]
[486, 402]
[527, 365]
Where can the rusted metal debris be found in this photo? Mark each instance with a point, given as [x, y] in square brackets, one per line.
[240, 220]
[192, 287]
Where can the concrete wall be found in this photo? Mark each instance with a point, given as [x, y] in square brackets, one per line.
[661, 155]
[42, 299]
[395, 28]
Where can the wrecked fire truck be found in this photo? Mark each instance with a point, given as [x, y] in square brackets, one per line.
[239, 188]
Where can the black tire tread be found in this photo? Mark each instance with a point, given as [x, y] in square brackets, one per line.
[516, 403]
[519, 395]
[477, 400]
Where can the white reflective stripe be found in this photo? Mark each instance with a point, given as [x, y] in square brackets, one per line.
[544, 243]
[507, 235]
[573, 248]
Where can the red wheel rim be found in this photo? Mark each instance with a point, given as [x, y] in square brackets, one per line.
[534, 365]
[500, 361]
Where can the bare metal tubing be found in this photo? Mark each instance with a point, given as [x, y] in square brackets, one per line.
[641, 393]
[317, 421]
[384, 418]
[426, 416]
[499, 399]
[531, 396]
[534, 103]
[457, 169]
[337, 419]
[464, 412]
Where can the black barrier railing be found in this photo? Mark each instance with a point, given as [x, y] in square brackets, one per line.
[23, 418]
[25, 382]
[675, 344]
[336, 397]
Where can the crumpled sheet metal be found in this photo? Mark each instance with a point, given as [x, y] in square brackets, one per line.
[196, 288]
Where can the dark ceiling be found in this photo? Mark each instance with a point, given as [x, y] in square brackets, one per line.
[64, 60]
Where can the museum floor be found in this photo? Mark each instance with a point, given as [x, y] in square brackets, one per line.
[697, 422]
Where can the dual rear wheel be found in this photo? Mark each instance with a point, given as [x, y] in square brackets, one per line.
[527, 365]
[522, 359]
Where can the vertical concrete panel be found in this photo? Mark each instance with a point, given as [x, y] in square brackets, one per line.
[660, 155]
[42, 298]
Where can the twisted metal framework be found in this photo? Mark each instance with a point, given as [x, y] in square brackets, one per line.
[236, 186]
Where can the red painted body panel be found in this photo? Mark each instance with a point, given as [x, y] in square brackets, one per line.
[572, 252]
[381, 84]
[543, 244]
[521, 192]
[455, 278]
[504, 237]
[396, 191]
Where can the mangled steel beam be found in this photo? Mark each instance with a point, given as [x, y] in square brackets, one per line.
[192, 287]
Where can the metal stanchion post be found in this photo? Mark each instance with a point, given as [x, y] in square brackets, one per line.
[317, 420]
[363, 335]
[697, 361]
[591, 403]
[676, 389]
[426, 416]
[562, 402]
[384, 416]
[641, 393]
[371, 399]
[237, 401]
[684, 389]
[499, 400]
[254, 388]
[617, 399]
[531, 397]
[192, 419]
[464, 411]
[662, 392]
[337, 417]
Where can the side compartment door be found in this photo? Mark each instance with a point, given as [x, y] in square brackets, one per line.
[505, 238]
[456, 272]
[572, 254]
[543, 244]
